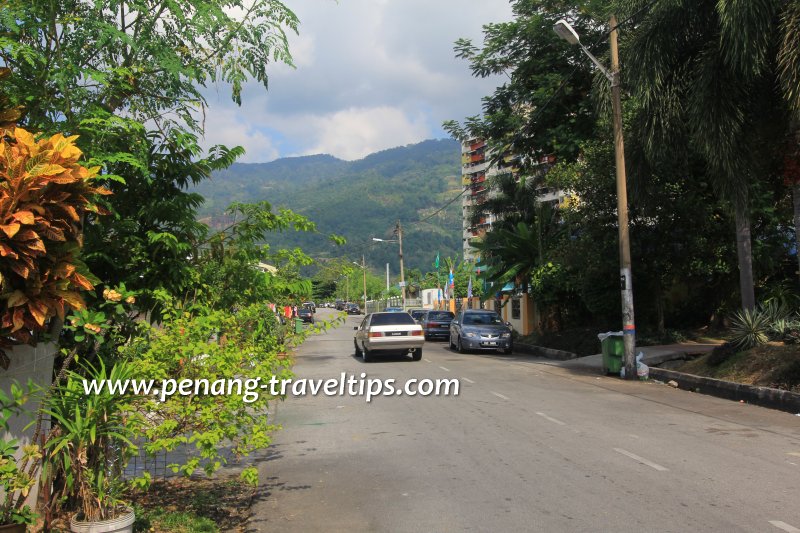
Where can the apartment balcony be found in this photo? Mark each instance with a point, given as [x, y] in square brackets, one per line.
[476, 145]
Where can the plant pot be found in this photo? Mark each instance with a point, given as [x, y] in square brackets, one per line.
[13, 528]
[121, 524]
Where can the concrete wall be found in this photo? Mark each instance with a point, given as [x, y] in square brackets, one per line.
[528, 317]
[27, 362]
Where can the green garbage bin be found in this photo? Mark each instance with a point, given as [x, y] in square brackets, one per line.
[613, 348]
[298, 325]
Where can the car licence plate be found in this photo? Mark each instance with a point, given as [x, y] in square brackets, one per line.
[490, 343]
[395, 333]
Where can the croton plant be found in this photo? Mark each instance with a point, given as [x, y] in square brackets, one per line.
[44, 197]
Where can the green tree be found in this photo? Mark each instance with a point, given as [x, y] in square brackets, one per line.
[543, 108]
[705, 74]
[103, 70]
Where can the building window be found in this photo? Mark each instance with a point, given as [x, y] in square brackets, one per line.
[515, 309]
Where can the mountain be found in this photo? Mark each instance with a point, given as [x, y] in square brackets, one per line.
[356, 199]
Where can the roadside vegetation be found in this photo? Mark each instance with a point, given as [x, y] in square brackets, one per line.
[104, 264]
[711, 119]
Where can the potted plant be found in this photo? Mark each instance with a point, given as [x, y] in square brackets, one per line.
[15, 482]
[90, 448]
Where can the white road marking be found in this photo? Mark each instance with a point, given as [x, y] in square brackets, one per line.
[784, 526]
[796, 454]
[428, 361]
[445, 369]
[499, 395]
[468, 380]
[551, 419]
[642, 460]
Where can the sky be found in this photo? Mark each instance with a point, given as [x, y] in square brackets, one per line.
[370, 75]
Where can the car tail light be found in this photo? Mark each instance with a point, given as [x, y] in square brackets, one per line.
[416, 333]
[375, 334]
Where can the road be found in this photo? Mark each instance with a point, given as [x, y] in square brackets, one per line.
[525, 446]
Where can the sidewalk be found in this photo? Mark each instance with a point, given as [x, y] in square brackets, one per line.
[656, 355]
[653, 355]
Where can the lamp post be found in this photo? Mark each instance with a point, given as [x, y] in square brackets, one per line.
[398, 230]
[568, 33]
[363, 266]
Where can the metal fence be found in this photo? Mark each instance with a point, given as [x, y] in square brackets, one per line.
[375, 306]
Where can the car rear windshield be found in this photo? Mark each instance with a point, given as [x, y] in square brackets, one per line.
[482, 318]
[440, 315]
[391, 319]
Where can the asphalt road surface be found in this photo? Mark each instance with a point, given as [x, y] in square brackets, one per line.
[525, 446]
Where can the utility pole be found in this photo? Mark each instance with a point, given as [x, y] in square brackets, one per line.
[568, 33]
[399, 231]
[626, 277]
[387, 276]
[364, 268]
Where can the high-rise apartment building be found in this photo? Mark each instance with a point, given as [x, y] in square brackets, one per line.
[478, 166]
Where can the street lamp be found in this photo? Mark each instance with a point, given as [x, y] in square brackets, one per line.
[363, 266]
[399, 232]
[568, 33]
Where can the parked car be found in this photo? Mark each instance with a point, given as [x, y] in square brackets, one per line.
[353, 309]
[306, 314]
[417, 314]
[381, 333]
[340, 305]
[474, 329]
[436, 324]
[310, 305]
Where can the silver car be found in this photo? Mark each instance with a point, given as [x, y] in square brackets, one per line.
[388, 332]
[474, 329]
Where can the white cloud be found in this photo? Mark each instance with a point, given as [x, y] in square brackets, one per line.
[357, 132]
[231, 130]
[370, 75]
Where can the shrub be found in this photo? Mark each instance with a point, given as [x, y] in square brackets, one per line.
[750, 328]
[44, 196]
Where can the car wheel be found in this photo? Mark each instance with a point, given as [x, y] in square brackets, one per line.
[367, 356]
[358, 350]
[416, 355]
[459, 346]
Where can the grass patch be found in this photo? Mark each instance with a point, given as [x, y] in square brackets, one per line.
[181, 505]
[772, 365]
[159, 519]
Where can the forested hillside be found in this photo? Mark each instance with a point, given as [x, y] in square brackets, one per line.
[356, 199]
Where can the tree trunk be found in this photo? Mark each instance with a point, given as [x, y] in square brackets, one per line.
[745, 256]
[796, 200]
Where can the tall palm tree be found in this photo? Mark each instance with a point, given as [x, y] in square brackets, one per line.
[707, 75]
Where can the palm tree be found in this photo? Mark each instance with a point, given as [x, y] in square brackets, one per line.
[512, 252]
[706, 76]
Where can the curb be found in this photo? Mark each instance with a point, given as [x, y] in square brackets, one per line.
[782, 400]
[541, 351]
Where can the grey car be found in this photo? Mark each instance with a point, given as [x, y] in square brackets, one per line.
[474, 329]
